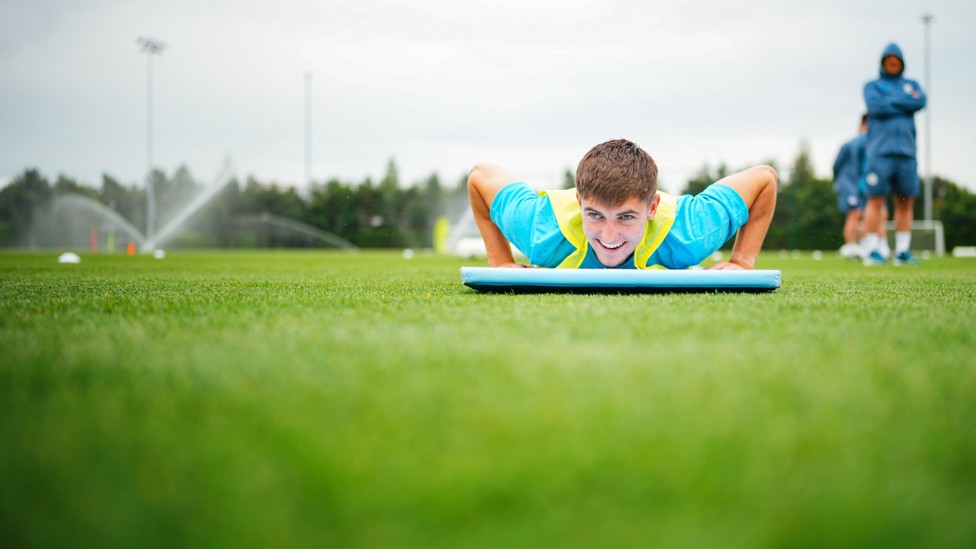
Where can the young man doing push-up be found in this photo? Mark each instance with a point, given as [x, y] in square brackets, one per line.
[616, 217]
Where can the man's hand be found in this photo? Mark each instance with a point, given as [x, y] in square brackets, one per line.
[727, 266]
[514, 265]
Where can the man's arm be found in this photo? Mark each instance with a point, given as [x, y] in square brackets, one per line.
[484, 182]
[757, 187]
[910, 102]
[842, 157]
[878, 99]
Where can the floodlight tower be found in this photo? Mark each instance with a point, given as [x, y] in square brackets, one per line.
[308, 131]
[151, 47]
[926, 19]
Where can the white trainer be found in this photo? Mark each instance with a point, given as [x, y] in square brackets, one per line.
[850, 251]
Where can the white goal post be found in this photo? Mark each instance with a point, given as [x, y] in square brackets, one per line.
[926, 236]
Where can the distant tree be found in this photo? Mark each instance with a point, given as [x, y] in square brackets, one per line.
[251, 196]
[224, 212]
[806, 215]
[180, 189]
[434, 195]
[955, 206]
[456, 200]
[412, 223]
[391, 179]
[182, 181]
[390, 204]
[161, 190]
[128, 201]
[67, 185]
[19, 201]
[569, 179]
[461, 188]
[704, 178]
[816, 221]
[332, 208]
[257, 197]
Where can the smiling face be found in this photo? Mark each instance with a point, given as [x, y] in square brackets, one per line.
[615, 231]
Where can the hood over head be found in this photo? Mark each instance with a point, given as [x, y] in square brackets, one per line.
[893, 49]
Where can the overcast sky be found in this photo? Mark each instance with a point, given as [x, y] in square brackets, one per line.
[441, 84]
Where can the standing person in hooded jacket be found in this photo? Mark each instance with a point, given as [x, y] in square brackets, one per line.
[892, 169]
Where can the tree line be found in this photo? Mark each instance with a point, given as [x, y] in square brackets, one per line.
[373, 214]
[367, 214]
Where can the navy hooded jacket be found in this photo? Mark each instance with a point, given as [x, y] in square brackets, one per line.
[849, 166]
[892, 102]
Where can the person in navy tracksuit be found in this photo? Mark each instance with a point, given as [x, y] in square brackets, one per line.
[892, 102]
[849, 170]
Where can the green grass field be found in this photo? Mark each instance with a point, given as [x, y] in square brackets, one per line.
[365, 400]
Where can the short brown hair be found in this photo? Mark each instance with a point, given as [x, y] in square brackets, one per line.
[616, 171]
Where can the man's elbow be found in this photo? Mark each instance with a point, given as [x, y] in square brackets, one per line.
[476, 174]
[771, 187]
[764, 185]
[767, 175]
[484, 176]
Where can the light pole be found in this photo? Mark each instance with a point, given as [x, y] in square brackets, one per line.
[926, 19]
[151, 47]
[308, 131]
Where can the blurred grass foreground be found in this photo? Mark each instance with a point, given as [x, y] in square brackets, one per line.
[368, 400]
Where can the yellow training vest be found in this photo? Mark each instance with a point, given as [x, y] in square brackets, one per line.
[570, 219]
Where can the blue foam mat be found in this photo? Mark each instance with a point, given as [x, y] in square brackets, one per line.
[494, 279]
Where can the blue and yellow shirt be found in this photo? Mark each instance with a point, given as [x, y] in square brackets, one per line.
[702, 224]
